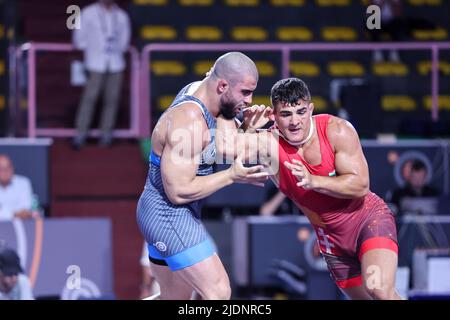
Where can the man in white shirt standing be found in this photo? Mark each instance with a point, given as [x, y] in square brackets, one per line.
[16, 194]
[104, 37]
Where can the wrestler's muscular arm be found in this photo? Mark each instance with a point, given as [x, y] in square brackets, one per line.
[179, 160]
[247, 142]
[352, 180]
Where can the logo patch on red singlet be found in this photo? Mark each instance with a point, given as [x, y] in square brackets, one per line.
[324, 240]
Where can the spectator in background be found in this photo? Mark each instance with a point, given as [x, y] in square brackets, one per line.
[415, 187]
[149, 286]
[14, 285]
[16, 195]
[104, 37]
[277, 204]
[392, 23]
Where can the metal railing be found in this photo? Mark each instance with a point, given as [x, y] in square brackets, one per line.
[140, 102]
[285, 50]
[33, 129]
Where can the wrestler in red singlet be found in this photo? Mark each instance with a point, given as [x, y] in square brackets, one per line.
[345, 228]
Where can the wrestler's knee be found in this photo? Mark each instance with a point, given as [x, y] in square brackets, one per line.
[385, 293]
[221, 290]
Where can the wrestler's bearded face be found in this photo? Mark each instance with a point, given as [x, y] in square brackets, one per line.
[237, 97]
[293, 120]
[229, 106]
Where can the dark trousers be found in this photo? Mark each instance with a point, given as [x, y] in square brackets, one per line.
[110, 85]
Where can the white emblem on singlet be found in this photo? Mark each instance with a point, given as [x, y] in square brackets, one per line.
[161, 246]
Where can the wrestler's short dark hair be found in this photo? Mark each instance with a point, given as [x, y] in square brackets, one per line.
[289, 90]
[418, 165]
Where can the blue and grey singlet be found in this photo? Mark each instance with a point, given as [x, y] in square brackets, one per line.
[175, 233]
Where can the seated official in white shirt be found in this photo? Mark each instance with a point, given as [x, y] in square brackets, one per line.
[16, 194]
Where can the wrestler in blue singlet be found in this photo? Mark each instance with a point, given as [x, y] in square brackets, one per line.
[174, 233]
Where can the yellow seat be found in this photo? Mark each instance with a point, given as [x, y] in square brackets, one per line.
[242, 3]
[2, 102]
[2, 67]
[158, 33]
[2, 31]
[287, 3]
[428, 35]
[165, 101]
[188, 3]
[265, 68]
[201, 67]
[294, 34]
[424, 67]
[265, 100]
[249, 34]
[443, 102]
[304, 69]
[168, 68]
[384, 69]
[345, 68]
[203, 33]
[398, 103]
[327, 3]
[425, 2]
[339, 34]
[150, 2]
[320, 104]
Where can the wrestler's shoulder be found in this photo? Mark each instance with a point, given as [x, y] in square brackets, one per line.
[339, 126]
[189, 111]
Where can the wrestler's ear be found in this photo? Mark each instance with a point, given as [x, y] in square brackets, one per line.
[222, 86]
[311, 107]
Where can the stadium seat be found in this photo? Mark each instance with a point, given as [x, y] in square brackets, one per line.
[2, 67]
[203, 33]
[158, 33]
[168, 68]
[387, 69]
[2, 103]
[443, 104]
[150, 2]
[345, 69]
[248, 34]
[287, 3]
[327, 3]
[425, 2]
[188, 3]
[429, 35]
[424, 67]
[294, 34]
[339, 34]
[304, 69]
[246, 3]
[165, 101]
[201, 67]
[398, 103]
[266, 68]
[320, 104]
[2, 31]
